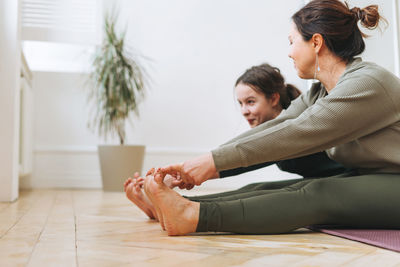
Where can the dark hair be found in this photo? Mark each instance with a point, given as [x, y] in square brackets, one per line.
[337, 24]
[268, 80]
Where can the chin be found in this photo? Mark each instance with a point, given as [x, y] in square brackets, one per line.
[303, 75]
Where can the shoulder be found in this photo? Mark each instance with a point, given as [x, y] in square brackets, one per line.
[369, 72]
[367, 84]
[367, 76]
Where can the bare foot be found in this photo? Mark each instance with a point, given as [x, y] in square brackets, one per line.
[134, 192]
[149, 176]
[179, 215]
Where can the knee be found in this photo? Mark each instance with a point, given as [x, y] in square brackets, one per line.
[325, 197]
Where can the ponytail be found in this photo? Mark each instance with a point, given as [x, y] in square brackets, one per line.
[291, 93]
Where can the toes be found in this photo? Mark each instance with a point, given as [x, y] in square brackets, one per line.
[140, 184]
[127, 182]
[138, 188]
[150, 172]
[159, 176]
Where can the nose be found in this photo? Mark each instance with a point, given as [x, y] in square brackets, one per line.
[290, 53]
[245, 111]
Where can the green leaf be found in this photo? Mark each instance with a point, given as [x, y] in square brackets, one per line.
[116, 83]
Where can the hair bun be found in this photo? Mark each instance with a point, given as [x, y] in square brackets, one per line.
[358, 13]
[369, 16]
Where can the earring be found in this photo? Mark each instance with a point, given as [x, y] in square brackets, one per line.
[316, 68]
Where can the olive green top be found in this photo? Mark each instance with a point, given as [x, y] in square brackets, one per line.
[357, 123]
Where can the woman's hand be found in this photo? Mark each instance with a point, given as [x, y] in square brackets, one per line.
[193, 172]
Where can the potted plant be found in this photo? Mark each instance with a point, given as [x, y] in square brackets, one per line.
[116, 88]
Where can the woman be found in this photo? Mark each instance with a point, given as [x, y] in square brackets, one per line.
[352, 113]
[262, 94]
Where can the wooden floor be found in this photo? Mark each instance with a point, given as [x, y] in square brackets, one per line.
[93, 228]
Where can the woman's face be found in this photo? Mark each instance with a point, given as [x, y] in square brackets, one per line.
[255, 107]
[303, 54]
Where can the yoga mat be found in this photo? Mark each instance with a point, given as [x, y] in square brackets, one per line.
[388, 239]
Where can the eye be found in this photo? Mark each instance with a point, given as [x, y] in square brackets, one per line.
[251, 102]
[240, 103]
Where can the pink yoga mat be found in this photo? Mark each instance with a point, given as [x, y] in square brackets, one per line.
[388, 239]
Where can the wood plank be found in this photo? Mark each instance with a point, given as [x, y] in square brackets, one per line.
[56, 244]
[378, 257]
[17, 244]
[13, 212]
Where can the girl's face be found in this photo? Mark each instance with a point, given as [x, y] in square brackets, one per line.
[255, 107]
[303, 54]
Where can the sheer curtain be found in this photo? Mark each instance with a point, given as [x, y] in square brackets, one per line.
[65, 21]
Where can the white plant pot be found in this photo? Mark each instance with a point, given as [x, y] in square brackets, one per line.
[117, 163]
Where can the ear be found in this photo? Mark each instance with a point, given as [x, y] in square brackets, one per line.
[275, 98]
[317, 41]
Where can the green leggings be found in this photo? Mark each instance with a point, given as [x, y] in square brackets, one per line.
[363, 201]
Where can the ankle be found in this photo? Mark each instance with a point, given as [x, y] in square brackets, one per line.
[192, 212]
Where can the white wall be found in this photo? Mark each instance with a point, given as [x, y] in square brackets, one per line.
[198, 49]
[10, 55]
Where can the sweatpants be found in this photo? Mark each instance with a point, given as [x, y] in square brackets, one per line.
[361, 201]
[248, 188]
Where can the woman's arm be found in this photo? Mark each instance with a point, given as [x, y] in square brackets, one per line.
[356, 107]
[200, 169]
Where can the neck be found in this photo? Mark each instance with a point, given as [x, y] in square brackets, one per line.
[277, 111]
[331, 68]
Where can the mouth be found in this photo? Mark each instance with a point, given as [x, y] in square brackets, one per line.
[251, 121]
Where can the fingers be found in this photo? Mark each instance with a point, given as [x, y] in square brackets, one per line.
[175, 183]
[189, 186]
[182, 185]
[172, 169]
[171, 175]
[179, 173]
[136, 175]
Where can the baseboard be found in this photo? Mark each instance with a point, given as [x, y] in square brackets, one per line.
[78, 167]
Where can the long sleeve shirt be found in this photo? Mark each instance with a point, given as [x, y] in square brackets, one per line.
[357, 124]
